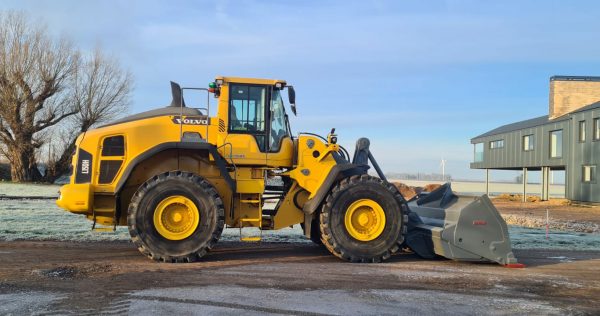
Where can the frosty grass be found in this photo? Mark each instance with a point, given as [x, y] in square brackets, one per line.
[41, 219]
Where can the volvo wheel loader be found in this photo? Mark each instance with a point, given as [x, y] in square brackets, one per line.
[177, 176]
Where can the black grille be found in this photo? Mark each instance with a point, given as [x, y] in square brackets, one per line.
[113, 146]
[83, 173]
[221, 126]
[108, 170]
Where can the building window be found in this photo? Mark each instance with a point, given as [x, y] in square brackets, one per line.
[528, 142]
[597, 128]
[478, 152]
[589, 174]
[556, 144]
[581, 131]
[495, 144]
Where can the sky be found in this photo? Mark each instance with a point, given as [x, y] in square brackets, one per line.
[418, 78]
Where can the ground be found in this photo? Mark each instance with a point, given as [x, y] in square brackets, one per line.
[556, 211]
[50, 263]
[279, 278]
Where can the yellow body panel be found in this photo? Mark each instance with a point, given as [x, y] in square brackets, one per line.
[246, 164]
[314, 163]
[285, 155]
[288, 213]
[76, 198]
[250, 180]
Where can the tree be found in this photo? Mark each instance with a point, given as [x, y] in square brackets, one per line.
[101, 92]
[48, 91]
[34, 71]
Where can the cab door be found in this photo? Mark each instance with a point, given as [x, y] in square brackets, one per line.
[280, 144]
[247, 132]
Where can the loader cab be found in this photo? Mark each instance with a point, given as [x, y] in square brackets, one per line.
[257, 126]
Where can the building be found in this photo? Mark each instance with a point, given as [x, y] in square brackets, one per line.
[568, 139]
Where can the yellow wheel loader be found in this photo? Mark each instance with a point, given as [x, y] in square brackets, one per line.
[177, 176]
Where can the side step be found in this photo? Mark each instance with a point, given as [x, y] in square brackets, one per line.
[256, 221]
[250, 238]
[107, 226]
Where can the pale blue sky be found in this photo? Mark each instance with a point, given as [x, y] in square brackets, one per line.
[419, 78]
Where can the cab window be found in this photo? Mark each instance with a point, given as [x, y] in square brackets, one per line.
[247, 111]
[278, 126]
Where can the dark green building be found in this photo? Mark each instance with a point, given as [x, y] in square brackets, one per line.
[567, 139]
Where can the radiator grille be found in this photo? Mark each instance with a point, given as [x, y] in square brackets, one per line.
[108, 170]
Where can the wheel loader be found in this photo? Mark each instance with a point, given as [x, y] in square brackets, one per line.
[176, 177]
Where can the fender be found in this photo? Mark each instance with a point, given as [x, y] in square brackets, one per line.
[338, 172]
[212, 149]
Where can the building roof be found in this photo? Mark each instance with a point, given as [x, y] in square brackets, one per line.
[534, 122]
[517, 126]
[574, 78]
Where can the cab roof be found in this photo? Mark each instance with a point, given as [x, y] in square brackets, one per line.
[250, 80]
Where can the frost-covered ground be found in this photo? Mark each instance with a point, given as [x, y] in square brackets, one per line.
[41, 219]
[20, 189]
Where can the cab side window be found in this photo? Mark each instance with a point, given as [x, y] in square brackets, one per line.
[247, 111]
[278, 125]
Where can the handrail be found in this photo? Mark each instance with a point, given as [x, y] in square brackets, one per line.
[181, 110]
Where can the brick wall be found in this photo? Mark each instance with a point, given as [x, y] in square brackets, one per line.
[571, 93]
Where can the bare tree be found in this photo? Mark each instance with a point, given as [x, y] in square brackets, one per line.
[34, 72]
[101, 92]
[49, 92]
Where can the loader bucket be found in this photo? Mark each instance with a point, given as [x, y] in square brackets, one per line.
[464, 228]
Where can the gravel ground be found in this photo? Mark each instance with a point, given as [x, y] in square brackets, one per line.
[90, 278]
[51, 263]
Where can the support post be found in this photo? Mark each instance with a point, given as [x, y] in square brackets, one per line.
[545, 183]
[524, 184]
[487, 181]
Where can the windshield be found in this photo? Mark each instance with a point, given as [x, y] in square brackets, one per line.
[278, 121]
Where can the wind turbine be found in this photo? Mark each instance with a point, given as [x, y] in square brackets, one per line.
[443, 165]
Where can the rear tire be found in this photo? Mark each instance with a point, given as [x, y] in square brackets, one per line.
[385, 222]
[160, 238]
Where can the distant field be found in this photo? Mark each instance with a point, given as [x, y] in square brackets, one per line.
[496, 188]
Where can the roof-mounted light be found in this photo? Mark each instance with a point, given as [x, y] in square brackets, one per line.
[212, 87]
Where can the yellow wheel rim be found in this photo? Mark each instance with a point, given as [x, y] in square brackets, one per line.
[364, 220]
[176, 217]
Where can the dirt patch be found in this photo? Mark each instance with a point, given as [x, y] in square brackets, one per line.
[71, 272]
[530, 198]
[560, 216]
[57, 273]
[406, 191]
[431, 187]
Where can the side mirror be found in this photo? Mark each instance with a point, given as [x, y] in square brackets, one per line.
[292, 98]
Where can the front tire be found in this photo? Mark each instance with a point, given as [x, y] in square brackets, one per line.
[175, 217]
[363, 219]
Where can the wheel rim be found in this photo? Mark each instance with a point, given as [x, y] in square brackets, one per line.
[364, 220]
[176, 217]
